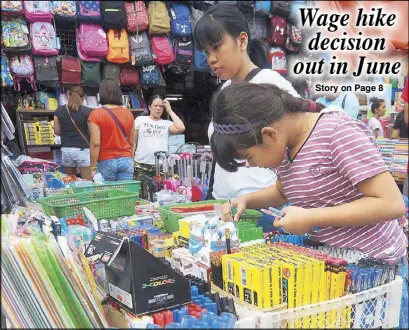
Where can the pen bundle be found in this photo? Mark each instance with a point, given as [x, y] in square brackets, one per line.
[216, 265]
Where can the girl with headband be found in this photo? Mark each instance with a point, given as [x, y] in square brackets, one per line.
[223, 32]
[328, 168]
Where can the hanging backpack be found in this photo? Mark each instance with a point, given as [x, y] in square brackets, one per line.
[183, 50]
[89, 11]
[92, 42]
[151, 76]
[129, 76]
[43, 39]
[64, 10]
[180, 15]
[15, 36]
[46, 71]
[70, 71]
[37, 11]
[112, 71]
[278, 31]
[6, 77]
[262, 7]
[278, 60]
[246, 6]
[294, 39]
[12, 8]
[282, 8]
[113, 15]
[90, 74]
[140, 49]
[159, 21]
[258, 25]
[162, 51]
[200, 61]
[118, 46]
[136, 16]
[195, 16]
[21, 67]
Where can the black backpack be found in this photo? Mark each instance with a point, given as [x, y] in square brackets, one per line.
[246, 6]
[111, 70]
[113, 15]
[46, 71]
[140, 49]
[90, 74]
[282, 8]
[183, 49]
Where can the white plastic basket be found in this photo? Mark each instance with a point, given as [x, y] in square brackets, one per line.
[373, 308]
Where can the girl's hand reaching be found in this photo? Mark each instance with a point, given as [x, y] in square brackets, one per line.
[239, 204]
[167, 106]
[296, 220]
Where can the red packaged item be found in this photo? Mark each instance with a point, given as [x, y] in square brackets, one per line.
[168, 317]
[159, 319]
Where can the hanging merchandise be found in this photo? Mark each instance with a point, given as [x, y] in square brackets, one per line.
[294, 39]
[90, 74]
[195, 16]
[200, 61]
[129, 76]
[92, 43]
[112, 71]
[70, 71]
[12, 8]
[282, 8]
[159, 21]
[113, 15]
[64, 10]
[278, 60]
[204, 5]
[89, 11]
[118, 46]
[136, 16]
[151, 76]
[15, 35]
[37, 11]
[262, 7]
[183, 50]
[162, 50]
[140, 49]
[46, 71]
[43, 39]
[278, 31]
[180, 15]
[246, 6]
[6, 77]
[258, 26]
[22, 68]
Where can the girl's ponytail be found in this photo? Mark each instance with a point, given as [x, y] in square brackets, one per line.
[258, 53]
[76, 98]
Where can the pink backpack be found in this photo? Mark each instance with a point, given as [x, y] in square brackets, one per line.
[37, 11]
[91, 42]
[278, 31]
[162, 50]
[136, 16]
[12, 8]
[42, 39]
[21, 67]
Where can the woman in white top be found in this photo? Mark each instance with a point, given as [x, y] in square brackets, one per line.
[151, 135]
[378, 108]
[223, 32]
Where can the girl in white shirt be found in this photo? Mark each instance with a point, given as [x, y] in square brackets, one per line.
[151, 135]
[223, 32]
[378, 108]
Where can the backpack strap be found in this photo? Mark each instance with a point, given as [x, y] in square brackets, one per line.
[117, 122]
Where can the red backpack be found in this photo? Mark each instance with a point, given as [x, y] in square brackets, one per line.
[278, 31]
[137, 16]
[162, 50]
[129, 76]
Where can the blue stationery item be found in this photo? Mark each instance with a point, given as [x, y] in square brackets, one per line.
[188, 321]
[213, 307]
[173, 326]
[230, 319]
[194, 291]
[153, 326]
[135, 103]
[219, 323]
[201, 325]
[208, 317]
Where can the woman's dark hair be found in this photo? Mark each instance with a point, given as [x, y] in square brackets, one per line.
[110, 92]
[154, 97]
[376, 103]
[76, 98]
[224, 19]
[241, 110]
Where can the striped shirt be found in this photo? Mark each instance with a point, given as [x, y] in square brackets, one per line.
[340, 153]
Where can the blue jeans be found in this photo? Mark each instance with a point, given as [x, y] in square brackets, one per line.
[117, 169]
[404, 308]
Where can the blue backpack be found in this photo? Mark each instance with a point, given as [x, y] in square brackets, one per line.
[151, 75]
[6, 77]
[200, 61]
[262, 7]
[180, 25]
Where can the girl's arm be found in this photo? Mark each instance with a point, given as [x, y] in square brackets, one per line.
[177, 127]
[95, 144]
[57, 126]
[134, 134]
